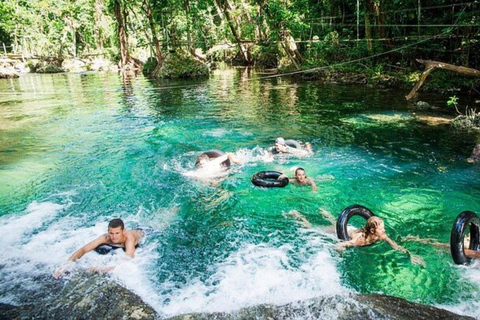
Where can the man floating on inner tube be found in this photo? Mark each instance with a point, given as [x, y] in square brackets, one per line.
[372, 232]
[290, 146]
[116, 237]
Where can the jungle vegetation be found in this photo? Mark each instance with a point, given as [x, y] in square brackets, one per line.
[375, 37]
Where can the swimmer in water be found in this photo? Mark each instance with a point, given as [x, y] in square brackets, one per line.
[434, 242]
[281, 146]
[117, 236]
[373, 231]
[300, 179]
[204, 162]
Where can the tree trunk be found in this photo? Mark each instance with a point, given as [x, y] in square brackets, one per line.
[292, 45]
[382, 21]
[368, 28]
[190, 44]
[126, 61]
[96, 29]
[225, 10]
[432, 65]
[158, 50]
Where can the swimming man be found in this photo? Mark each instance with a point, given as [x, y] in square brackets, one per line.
[281, 146]
[117, 236]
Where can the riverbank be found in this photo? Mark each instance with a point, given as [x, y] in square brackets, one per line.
[380, 77]
[13, 68]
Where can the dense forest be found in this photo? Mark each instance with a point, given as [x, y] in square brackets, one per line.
[375, 36]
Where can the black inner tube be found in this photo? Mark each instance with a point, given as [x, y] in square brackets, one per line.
[269, 179]
[346, 214]
[212, 154]
[459, 228]
[106, 248]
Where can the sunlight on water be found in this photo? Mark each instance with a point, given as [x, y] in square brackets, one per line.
[78, 150]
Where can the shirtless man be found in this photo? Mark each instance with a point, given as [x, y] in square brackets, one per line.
[117, 236]
[300, 179]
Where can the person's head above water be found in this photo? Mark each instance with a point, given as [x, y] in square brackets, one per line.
[375, 226]
[280, 141]
[116, 231]
[300, 174]
[280, 145]
[115, 223]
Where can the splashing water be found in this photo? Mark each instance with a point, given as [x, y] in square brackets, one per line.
[77, 150]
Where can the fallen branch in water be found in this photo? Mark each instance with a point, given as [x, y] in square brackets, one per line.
[432, 65]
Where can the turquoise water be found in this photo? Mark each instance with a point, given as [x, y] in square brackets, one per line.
[77, 150]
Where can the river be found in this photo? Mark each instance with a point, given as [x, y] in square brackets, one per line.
[77, 150]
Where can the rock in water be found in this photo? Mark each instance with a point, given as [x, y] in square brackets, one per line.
[85, 296]
[348, 307]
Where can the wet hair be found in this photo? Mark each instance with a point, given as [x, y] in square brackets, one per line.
[371, 225]
[115, 223]
[202, 159]
[300, 168]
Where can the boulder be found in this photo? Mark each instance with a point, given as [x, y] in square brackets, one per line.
[93, 296]
[85, 296]
[353, 307]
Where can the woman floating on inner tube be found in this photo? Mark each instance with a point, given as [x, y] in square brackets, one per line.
[290, 147]
[372, 232]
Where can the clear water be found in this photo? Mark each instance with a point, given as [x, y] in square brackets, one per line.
[77, 150]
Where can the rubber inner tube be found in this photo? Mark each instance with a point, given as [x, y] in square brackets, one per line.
[346, 214]
[269, 179]
[293, 143]
[106, 248]
[212, 154]
[459, 228]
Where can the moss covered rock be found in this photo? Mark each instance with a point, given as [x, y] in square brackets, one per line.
[182, 66]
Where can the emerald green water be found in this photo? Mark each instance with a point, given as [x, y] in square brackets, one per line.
[77, 150]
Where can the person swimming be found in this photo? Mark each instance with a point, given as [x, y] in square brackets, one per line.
[117, 236]
[281, 146]
[300, 179]
[372, 232]
[205, 162]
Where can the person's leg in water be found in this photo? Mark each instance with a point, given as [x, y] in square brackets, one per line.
[299, 217]
[434, 242]
[327, 216]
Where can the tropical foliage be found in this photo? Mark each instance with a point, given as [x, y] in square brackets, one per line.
[296, 34]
